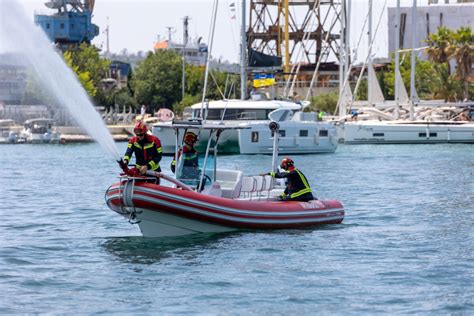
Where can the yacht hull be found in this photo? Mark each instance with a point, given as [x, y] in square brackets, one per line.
[407, 132]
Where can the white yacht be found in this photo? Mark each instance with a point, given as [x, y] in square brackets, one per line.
[407, 119]
[408, 132]
[40, 130]
[7, 133]
[224, 112]
[298, 134]
[441, 123]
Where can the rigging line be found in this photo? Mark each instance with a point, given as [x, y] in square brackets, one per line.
[368, 56]
[232, 23]
[315, 73]
[217, 85]
[354, 57]
[313, 23]
[306, 36]
[226, 103]
[211, 37]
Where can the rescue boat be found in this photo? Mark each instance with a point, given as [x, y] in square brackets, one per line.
[217, 201]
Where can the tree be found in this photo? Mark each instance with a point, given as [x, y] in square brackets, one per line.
[83, 76]
[87, 59]
[326, 102]
[463, 53]
[439, 44]
[157, 80]
[424, 72]
[445, 85]
[446, 44]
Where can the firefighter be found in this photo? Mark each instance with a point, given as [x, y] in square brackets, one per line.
[190, 157]
[147, 149]
[297, 187]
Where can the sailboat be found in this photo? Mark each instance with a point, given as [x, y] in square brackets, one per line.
[406, 120]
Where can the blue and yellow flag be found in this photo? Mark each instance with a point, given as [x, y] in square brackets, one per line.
[263, 80]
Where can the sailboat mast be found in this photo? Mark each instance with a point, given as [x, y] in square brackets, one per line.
[370, 69]
[413, 61]
[342, 48]
[397, 60]
[243, 57]
[287, 38]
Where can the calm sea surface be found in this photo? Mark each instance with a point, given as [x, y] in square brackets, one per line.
[405, 246]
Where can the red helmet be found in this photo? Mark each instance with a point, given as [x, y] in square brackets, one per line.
[190, 138]
[286, 163]
[140, 128]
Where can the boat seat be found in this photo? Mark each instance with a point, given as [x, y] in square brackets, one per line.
[259, 185]
[230, 182]
[247, 187]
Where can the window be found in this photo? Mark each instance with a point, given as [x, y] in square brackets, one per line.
[254, 137]
[282, 133]
[48, 25]
[433, 134]
[421, 134]
[304, 133]
[378, 134]
[323, 133]
[62, 26]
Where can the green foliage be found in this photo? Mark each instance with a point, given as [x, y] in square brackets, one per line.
[439, 44]
[188, 100]
[362, 93]
[445, 45]
[84, 77]
[424, 72]
[445, 85]
[326, 102]
[87, 59]
[157, 81]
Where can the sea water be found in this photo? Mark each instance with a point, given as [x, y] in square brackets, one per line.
[405, 246]
[21, 37]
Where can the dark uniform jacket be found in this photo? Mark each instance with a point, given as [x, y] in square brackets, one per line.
[147, 152]
[190, 157]
[297, 187]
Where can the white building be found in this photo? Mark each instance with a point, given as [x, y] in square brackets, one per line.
[428, 20]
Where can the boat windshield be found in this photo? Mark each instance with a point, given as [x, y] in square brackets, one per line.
[190, 168]
[236, 114]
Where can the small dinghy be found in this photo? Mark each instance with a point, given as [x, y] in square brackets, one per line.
[228, 201]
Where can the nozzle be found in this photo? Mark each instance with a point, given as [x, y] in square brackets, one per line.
[123, 165]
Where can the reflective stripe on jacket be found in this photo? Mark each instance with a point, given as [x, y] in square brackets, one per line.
[147, 152]
[297, 184]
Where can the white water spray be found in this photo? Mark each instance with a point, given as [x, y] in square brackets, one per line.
[18, 34]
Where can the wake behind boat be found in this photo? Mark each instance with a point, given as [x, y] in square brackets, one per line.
[228, 201]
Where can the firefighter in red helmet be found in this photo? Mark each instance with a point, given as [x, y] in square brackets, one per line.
[189, 155]
[147, 149]
[297, 187]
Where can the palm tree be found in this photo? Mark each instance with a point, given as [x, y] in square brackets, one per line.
[444, 85]
[463, 53]
[440, 45]
[446, 44]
